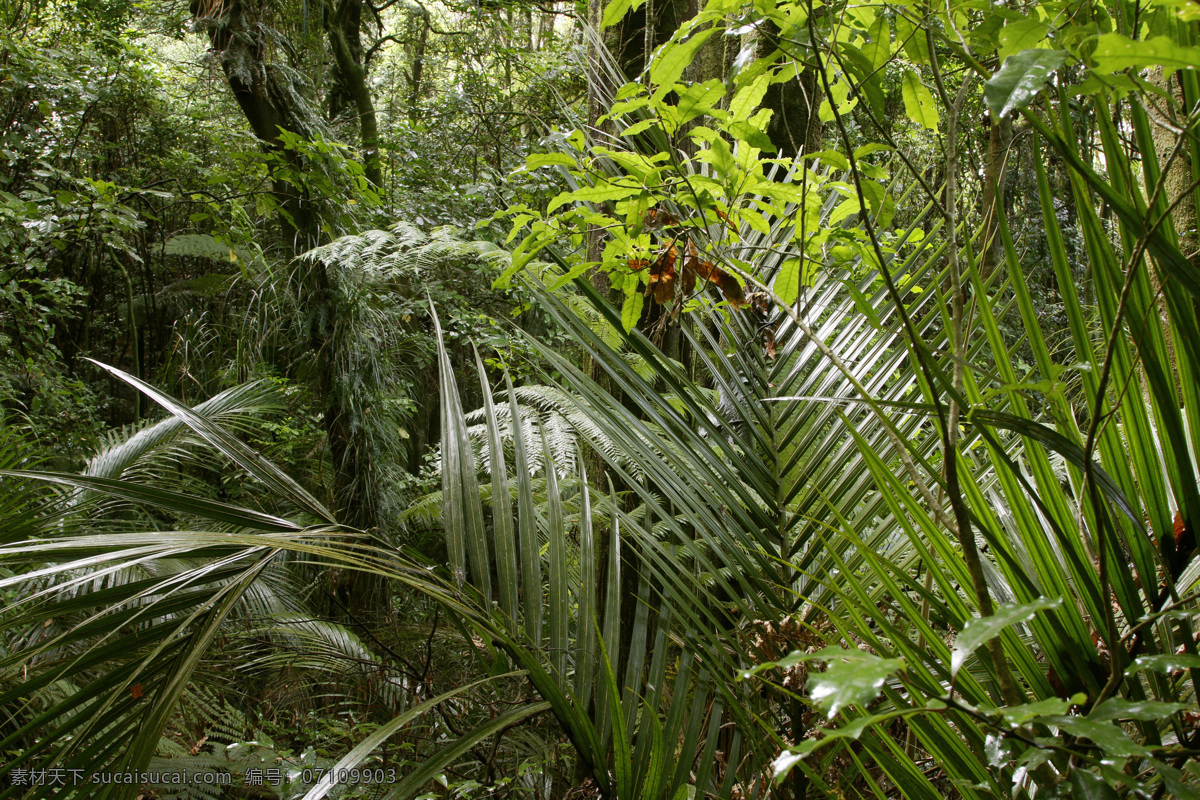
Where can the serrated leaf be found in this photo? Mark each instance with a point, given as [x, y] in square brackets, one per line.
[984, 629]
[1020, 79]
[918, 102]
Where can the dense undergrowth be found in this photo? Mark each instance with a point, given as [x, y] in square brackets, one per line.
[402, 401]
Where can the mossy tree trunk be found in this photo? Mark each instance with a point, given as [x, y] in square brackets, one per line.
[343, 26]
[274, 106]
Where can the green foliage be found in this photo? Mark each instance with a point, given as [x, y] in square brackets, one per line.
[865, 408]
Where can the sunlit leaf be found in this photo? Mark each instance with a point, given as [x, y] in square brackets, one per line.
[1020, 79]
[918, 102]
[983, 629]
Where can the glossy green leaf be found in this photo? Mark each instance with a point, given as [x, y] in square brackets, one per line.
[1089, 786]
[850, 677]
[1110, 738]
[1115, 708]
[1020, 80]
[1167, 664]
[983, 629]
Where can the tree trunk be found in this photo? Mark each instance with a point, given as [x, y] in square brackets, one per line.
[342, 25]
[418, 67]
[272, 105]
[266, 97]
[995, 178]
[795, 125]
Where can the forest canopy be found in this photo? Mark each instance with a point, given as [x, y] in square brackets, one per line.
[637, 399]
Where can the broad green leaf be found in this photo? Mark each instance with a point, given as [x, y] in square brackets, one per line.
[1165, 664]
[871, 148]
[1143, 710]
[673, 59]
[599, 193]
[790, 660]
[983, 629]
[1090, 786]
[617, 9]
[1020, 79]
[720, 156]
[850, 676]
[698, 99]
[831, 157]
[879, 49]
[863, 66]
[781, 767]
[536, 160]
[1108, 737]
[1115, 52]
[1020, 715]
[1023, 34]
[787, 282]
[839, 97]
[918, 102]
[748, 97]
[631, 310]
[912, 39]
[1173, 780]
[643, 125]
[748, 133]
